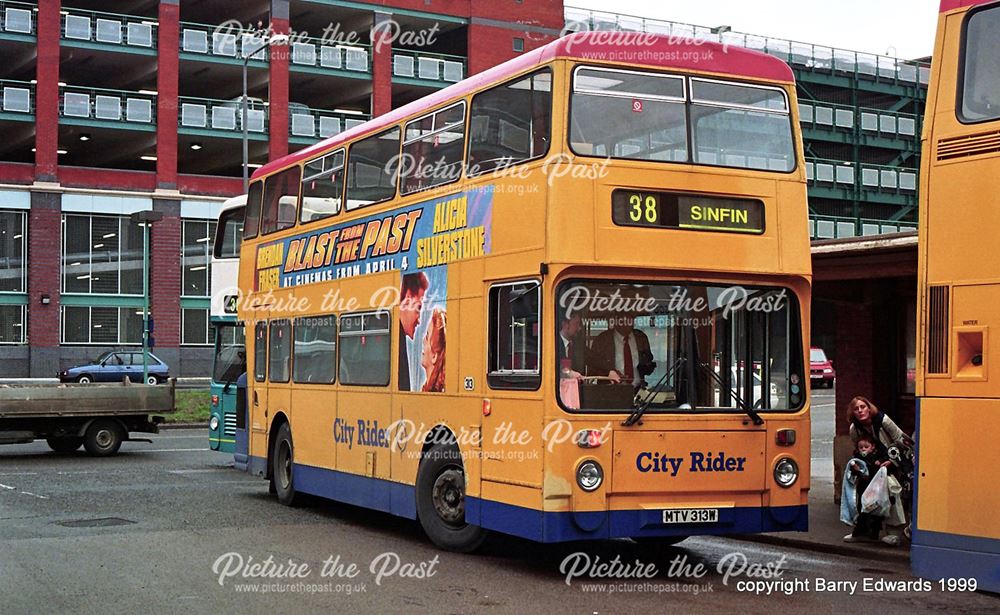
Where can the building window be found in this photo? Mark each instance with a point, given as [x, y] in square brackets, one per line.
[12, 324]
[101, 255]
[364, 349]
[196, 258]
[12, 244]
[514, 343]
[518, 45]
[101, 325]
[194, 328]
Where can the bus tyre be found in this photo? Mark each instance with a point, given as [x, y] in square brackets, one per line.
[282, 462]
[441, 501]
[103, 438]
[64, 445]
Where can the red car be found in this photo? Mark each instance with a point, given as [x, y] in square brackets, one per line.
[821, 369]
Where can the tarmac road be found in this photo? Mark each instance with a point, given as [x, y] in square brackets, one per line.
[141, 533]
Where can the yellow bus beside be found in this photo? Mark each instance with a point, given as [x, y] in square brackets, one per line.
[567, 298]
[956, 530]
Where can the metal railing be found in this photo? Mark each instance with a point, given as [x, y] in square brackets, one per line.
[319, 124]
[17, 18]
[108, 28]
[818, 114]
[796, 53]
[209, 40]
[428, 66]
[842, 174]
[17, 97]
[107, 105]
[224, 115]
[839, 227]
[314, 52]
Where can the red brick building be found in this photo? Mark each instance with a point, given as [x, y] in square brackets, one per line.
[112, 107]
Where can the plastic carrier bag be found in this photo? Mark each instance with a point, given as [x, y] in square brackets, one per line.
[875, 499]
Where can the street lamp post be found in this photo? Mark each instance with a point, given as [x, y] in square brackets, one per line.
[274, 40]
[145, 219]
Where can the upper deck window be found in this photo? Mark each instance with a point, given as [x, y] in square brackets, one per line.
[432, 149]
[323, 187]
[980, 89]
[371, 169]
[626, 114]
[281, 195]
[510, 123]
[736, 125]
[651, 116]
[252, 216]
[229, 233]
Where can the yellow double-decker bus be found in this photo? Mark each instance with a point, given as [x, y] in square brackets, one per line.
[956, 532]
[564, 299]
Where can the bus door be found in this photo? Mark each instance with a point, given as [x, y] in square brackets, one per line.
[512, 421]
[257, 395]
[364, 401]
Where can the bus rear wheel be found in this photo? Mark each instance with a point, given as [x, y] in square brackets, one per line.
[282, 462]
[441, 501]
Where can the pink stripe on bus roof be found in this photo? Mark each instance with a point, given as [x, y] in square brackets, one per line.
[637, 48]
[950, 5]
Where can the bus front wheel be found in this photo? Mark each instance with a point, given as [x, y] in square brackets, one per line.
[282, 460]
[441, 501]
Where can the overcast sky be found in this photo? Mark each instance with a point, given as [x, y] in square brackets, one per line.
[904, 28]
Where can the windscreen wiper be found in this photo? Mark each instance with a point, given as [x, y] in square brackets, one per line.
[744, 406]
[639, 407]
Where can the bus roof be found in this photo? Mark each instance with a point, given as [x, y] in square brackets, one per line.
[672, 52]
[950, 5]
[240, 200]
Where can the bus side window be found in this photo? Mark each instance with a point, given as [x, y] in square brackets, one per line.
[372, 165]
[365, 349]
[510, 123]
[252, 216]
[278, 365]
[281, 195]
[315, 350]
[323, 187]
[514, 336]
[433, 141]
[260, 352]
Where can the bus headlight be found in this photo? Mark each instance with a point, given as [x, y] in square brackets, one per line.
[213, 423]
[589, 475]
[786, 472]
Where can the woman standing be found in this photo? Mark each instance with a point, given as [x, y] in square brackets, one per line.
[866, 420]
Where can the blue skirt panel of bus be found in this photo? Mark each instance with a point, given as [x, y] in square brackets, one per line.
[936, 555]
[400, 499]
[544, 526]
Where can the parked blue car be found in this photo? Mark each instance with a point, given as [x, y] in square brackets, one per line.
[115, 366]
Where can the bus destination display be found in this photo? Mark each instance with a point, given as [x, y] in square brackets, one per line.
[687, 211]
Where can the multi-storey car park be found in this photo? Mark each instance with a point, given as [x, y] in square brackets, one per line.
[107, 108]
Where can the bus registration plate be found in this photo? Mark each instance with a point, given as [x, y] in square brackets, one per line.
[691, 515]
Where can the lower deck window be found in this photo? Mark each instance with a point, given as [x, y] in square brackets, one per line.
[365, 349]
